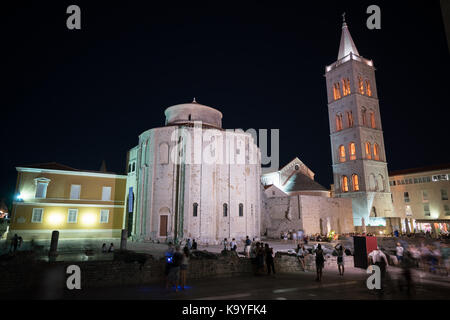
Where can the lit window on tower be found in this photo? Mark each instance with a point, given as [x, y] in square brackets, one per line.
[350, 118]
[352, 148]
[372, 120]
[341, 153]
[355, 182]
[346, 86]
[344, 184]
[368, 89]
[368, 153]
[337, 91]
[363, 116]
[376, 152]
[339, 122]
[360, 85]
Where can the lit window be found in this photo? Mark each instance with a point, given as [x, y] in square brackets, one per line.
[106, 193]
[104, 216]
[72, 216]
[341, 153]
[350, 118]
[339, 122]
[337, 91]
[368, 152]
[447, 209]
[376, 152]
[346, 86]
[426, 209]
[352, 148]
[444, 194]
[75, 190]
[406, 196]
[194, 209]
[41, 190]
[355, 181]
[37, 215]
[344, 184]
[372, 120]
[241, 210]
[368, 89]
[360, 85]
[363, 116]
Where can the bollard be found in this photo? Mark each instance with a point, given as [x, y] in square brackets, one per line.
[123, 239]
[54, 244]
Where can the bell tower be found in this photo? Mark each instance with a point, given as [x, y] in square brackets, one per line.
[357, 144]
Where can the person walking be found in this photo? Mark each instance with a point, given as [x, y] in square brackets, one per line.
[340, 258]
[184, 267]
[259, 258]
[225, 244]
[378, 258]
[248, 243]
[233, 245]
[269, 259]
[320, 261]
[399, 252]
[174, 271]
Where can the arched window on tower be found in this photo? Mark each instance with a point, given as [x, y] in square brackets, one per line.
[360, 85]
[372, 119]
[350, 119]
[352, 150]
[344, 184]
[225, 210]
[364, 116]
[368, 151]
[341, 153]
[368, 88]
[355, 182]
[376, 152]
[241, 210]
[337, 91]
[346, 86]
[195, 209]
[339, 125]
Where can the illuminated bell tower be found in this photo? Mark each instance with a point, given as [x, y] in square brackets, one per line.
[357, 144]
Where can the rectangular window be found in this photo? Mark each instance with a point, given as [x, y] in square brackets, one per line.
[41, 190]
[416, 180]
[426, 209]
[444, 194]
[37, 215]
[406, 196]
[72, 216]
[104, 216]
[424, 196]
[106, 193]
[75, 190]
[241, 210]
[447, 209]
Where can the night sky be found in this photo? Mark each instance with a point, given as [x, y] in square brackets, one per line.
[80, 97]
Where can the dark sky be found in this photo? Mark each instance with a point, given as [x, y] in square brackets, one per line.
[78, 97]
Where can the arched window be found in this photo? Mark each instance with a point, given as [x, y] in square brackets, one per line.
[352, 150]
[380, 183]
[376, 152]
[346, 86]
[241, 210]
[194, 209]
[360, 85]
[368, 89]
[372, 119]
[363, 116]
[225, 210]
[350, 119]
[344, 184]
[339, 125]
[368, 151]
[341, 153]
[134, 166]
[355, 182]
[337, 91]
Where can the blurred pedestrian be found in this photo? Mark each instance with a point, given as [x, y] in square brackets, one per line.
[184, 267]
[320, 261]
[340, 258]
[269, 259]
[399, 252]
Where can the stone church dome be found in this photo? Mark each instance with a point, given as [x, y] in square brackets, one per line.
[190, 112]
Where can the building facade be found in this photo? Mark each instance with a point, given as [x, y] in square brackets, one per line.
[292, 201]
[193, 179]
[79, 204]
[421, 197]
[358, 152]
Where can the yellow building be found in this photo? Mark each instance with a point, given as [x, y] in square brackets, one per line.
[421, 197]
[79, 204]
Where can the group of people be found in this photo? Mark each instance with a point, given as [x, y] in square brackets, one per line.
[232, 244]
[110, 249]
[431, 257]
[261, 255]
[177, 262]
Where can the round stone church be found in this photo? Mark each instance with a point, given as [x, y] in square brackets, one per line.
[193, 179]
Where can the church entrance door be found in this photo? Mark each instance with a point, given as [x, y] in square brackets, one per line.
[163, 225]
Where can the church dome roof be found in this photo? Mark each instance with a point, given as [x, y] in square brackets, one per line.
[190, 112]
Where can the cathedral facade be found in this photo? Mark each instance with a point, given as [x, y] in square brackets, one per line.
[193, 179]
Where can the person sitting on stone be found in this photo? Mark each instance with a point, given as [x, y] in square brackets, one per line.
[111, 247]
[104, 250]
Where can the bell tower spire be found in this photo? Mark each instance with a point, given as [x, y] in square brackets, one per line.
[347, 45]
